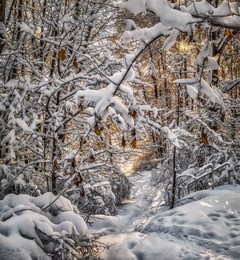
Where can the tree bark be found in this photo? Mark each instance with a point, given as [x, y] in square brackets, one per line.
[174, 180]
[2, 10]
[2, 22]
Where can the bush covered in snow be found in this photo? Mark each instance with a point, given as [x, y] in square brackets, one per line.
[95, 193]
[43, 227]
[121, 187]
[101, 192]
[198, 165]
[145, 162]
[11, 181]
[98, 197]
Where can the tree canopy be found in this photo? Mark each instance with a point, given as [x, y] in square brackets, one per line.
[88, 86]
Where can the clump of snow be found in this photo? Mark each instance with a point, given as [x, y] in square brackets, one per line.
[169, 42]
[106, 104]
[25, 28]
[192, 91]
[226, 14]
[145, 34]
[204, 58]
[38, 227]
[169, 17]
[133, 7]
[196, 85]
[23, 125]
[171, 136]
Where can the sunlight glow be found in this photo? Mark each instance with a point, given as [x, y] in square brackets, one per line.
[183, 47]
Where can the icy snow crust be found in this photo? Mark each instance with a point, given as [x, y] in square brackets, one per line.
[207, 226]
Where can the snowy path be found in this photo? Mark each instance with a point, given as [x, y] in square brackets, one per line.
[143, 204]
[138, 209]
[208, 228]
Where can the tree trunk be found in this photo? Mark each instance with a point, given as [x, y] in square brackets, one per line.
[19, 13]
[2, 22]
[2, 10]
[174, 182]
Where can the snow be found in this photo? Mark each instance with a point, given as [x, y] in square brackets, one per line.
[106, 104]
[169, 17]
[23, 125]
[206, 226]
[211, 219]
[192, 91]
[19, 248]
[227, 14]
[133, 7]
[145, 34]
[169, 42]
[136, 245]
[204, 58]
[9, 138]
[171, 136]
[213, 95]
[25, 28]
[126, 89]
[35, 226]
[203, 86]
[130, 25]
[2, 30]
[172, 17]
[67, 19]
[204, 9]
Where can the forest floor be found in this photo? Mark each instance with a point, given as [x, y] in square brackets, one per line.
[207, 226]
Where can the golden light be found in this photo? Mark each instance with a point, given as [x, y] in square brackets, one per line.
[182, 46]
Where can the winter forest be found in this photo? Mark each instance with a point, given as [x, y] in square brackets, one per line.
[120, 129]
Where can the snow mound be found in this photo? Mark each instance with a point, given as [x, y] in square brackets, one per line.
[206, 226]
[134, 246]
[210, 218]
[39, 227]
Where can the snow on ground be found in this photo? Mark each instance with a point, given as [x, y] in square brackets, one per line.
[207, 226]
[34, 227]
[132, 212]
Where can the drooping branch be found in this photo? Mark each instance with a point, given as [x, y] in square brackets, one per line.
[134, 60]
[229, 85]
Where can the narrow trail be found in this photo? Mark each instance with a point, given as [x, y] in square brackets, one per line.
[144, 202]
[120, 233]
[140, 207]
